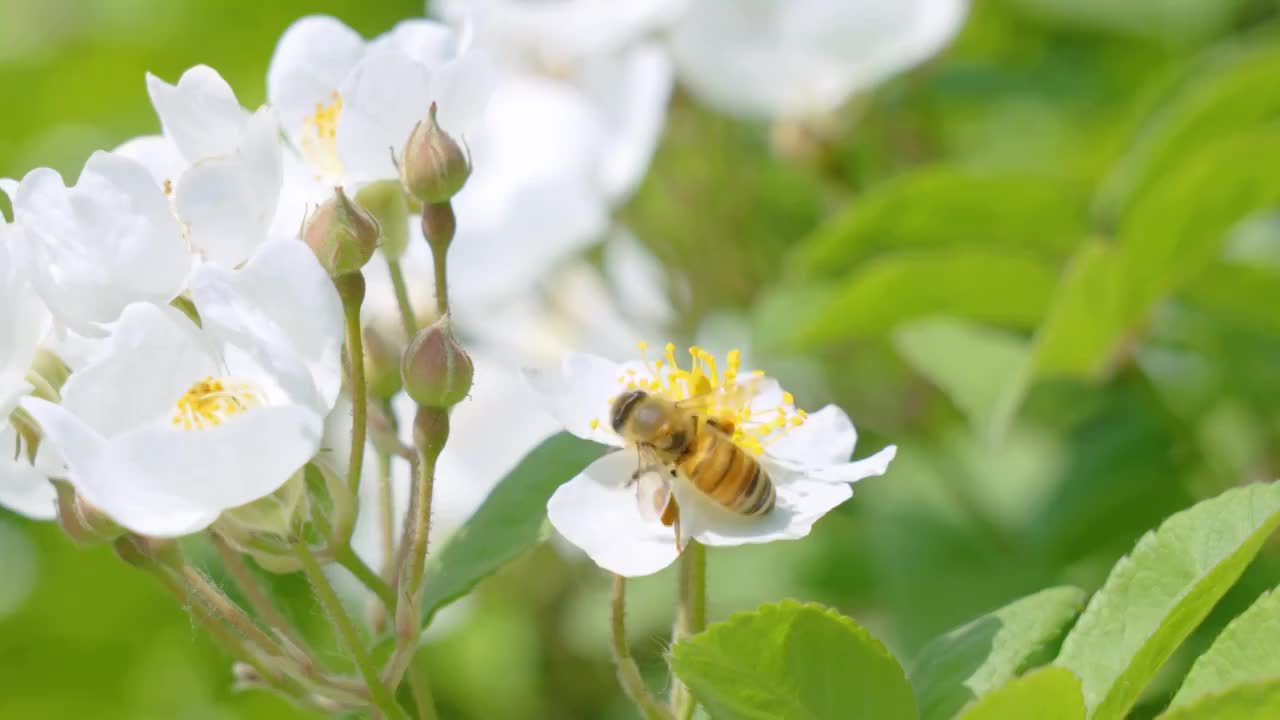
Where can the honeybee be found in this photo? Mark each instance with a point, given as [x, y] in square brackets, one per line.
[674, 440]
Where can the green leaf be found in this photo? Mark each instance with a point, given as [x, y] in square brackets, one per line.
[996, 287]
[1250, 701]
[793, 661]
[1230, 92]
[508, 523]
[1050, 693]
[1160, 592]
[1086, 318]
[1245, 651]
[976, 658]
[971, 363]
[1244, 294]
[948, 207]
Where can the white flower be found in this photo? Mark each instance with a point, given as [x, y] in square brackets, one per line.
[24, 324]
[173, 423]
[349, 105]
[222, 163]
[109, 241]
[783, 58]
[610, 517]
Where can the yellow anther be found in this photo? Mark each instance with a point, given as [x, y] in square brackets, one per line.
[642, 345]
[788, 399]
[595, 424]
[211, 401]
[319, 137]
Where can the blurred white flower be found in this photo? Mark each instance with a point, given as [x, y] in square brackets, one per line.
[610, 516]
[348, 105]
[109, 241]
[785, 58]
[171, 423]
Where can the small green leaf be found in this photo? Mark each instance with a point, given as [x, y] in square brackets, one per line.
[1250, 701]
[508, 523]
[791, 661]
[997, 287]
[1050, 693]
[1245, 651]
[1086, 319]
[948, 207]
[1160, 592]
[976, 658]
[972, 364]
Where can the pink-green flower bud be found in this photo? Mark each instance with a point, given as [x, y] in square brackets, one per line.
[342, 234]
[438, 225]
[436, 371]
[433, 167]
[385, 201]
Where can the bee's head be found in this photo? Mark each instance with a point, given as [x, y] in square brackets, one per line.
[623, 407]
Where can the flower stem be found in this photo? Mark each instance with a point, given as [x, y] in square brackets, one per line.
[407, 318]
[386, 513]
[421, 689]
[359, 397]
[347, 558]
[442, 283]
[378, 692]
[628, 672]
[253, 592]
[423, 490]
[412, 569]
[691, 616]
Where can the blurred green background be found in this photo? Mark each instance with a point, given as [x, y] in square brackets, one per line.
[1047, 265]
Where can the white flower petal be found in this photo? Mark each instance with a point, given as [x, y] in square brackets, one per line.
[157, 154]
[21, 332]
[229, 203]
[461, 90]
[827, 437]
[23, 489]
[426, 42]
[579, 394]
[382, 98]
[108, 481]
[310, 61]
[257, 310]
[633, 93]
[799, 505]
[200, 114]
[602, 518]
[873, 466]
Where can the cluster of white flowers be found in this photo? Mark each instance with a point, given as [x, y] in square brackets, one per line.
[204, 342]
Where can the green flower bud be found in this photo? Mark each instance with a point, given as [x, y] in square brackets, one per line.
[277, 517]
[342, 234]
[433, 167]
[431, 430]
[435, 369]
[82, 522]
[148, 552]
[385, 201]
[382, 363]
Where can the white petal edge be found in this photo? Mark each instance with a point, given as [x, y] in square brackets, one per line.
[310, 61]
[199, 113]
[579, 393]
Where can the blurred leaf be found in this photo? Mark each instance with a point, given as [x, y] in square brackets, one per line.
[508, 523]
[1244, 652]
[6, 207]
[1158, 594]
[1176, 21]
[1050, 693]
[1249, 296]
[1251, 701]
[947, 207]
[972, 364]
[789, 661]
[993, 286]
[1079, 333]
[1232, 91]
[975, 659]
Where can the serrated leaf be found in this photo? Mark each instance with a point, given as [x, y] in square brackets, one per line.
[509, 522]
[1250, 701]
[1000, 288]
[1244, 652]
[971, 363]
[792, 661]
[1050, 693]
[1160, 592]
[948, 207]
[976, 658]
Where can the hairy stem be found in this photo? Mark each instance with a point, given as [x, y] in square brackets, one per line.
[347, 558]
[628, 672]
[359, 396]
[381, 697]
[691, 617]
[407, 318]
[261, 603]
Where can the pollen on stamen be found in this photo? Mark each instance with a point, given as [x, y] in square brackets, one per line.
[211, 401]
[319, 137]
[595, 424]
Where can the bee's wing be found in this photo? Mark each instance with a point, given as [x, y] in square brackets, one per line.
[653, 492]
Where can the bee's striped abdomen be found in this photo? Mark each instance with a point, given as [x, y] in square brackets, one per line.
[727, 473]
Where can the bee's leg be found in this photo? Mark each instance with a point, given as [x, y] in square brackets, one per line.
[677, 526]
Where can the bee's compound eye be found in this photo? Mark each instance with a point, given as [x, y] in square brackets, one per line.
[623, 407]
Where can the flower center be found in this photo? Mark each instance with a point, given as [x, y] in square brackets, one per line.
[721, 396]
[319, 137]
[212, 401]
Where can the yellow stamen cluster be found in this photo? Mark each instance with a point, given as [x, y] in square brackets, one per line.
[212, 401]
[722, 395]
[319, 140]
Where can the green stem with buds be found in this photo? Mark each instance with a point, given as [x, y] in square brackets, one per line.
[691, 616]
[628, 672]
[381, 697]
[407, 318]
